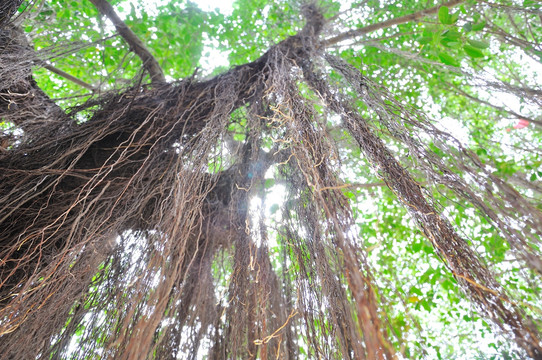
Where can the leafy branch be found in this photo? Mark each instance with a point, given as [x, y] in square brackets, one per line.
[388, 23]
[149, 62]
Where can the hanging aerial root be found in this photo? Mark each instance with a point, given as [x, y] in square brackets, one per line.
[7, 9]
[323, 211]
[127, 170]
[497, 201]
[455, 252]
[131, 183]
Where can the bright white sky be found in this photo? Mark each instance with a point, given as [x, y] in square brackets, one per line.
[225, 6]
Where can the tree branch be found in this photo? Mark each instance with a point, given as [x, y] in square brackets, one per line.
[149, 62]
[386, 24]
[69, 77]
[537, 123]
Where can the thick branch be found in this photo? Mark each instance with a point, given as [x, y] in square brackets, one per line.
[386, 24]
[149, 62]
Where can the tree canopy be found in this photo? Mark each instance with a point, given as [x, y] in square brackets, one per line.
[271, 180]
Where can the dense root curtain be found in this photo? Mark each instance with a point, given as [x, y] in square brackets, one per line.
[128, 227]
[119, 234]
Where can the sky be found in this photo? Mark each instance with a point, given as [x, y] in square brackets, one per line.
[225, 6]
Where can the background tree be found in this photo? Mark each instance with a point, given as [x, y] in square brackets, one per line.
[357, 180]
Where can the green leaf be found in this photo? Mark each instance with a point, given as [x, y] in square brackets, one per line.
[416, 291]
[454, 17]
[448, 59]
[239, 137]
[454, 44]
[450, 43]
[444, 15]
[532, 3]
[80, 330]
[428, 32]
[467, 27]
[479, 26]
[269, 183]
[473, 52]
[447, 285]
[423, 40]
[350, 195]
[426, 305]
[451, 34]
[478, 44]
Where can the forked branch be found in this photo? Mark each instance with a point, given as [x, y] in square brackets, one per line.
[149, 62]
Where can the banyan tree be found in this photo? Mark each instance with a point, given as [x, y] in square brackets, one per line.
[277, 180]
